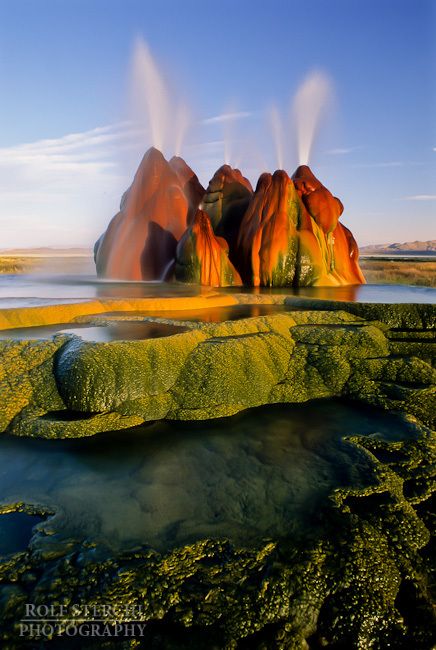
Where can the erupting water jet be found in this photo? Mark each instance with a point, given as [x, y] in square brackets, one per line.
[309, 106]
[277, 132]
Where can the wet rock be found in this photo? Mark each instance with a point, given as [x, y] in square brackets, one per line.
[27, 380]
[141, 240]
[73, 388]
[362, 579]
[203, 258]
[290, 235]
[226, 200]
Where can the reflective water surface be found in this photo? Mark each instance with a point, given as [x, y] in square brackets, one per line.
[16, 531]
[32, 290]
[125, 331]
[265, 472]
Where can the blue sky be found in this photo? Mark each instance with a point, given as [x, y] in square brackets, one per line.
[68, 141]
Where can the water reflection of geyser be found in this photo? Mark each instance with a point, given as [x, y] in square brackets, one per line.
[285, 233]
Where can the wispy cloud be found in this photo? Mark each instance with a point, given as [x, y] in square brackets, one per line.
[341, 151]
[389, 163]
[71, 183]
[420, 197]
[85, 150]
[226, 117]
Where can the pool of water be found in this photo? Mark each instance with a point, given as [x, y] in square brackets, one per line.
[124, 331]
[209, 315]
[33, 290]
[16, 531]
[117, 331]
[263, 473]
[41, 332]
[382, 293]
[375, 293]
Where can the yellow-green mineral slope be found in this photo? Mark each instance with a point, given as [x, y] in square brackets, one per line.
[364, 582]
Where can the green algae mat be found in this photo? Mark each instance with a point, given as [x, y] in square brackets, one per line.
[302, 518]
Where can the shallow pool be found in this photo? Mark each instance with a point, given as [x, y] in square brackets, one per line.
[263, 473]
[32, 290]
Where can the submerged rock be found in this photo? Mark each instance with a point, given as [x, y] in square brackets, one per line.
[361, 579]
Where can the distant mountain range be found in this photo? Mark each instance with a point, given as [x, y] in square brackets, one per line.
[46, 251]
[51, 251]
[411, 247]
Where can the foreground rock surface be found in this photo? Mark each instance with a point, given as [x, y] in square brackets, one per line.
[362, 578]
[218, 369]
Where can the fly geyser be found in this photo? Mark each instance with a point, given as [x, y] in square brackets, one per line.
[140, 241]
[285, 233]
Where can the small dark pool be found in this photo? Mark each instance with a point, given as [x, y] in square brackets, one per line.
[16, 531]
[40, 332]
[125, 331]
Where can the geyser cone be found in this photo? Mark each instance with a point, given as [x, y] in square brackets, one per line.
[141, 240]
[268, 240]
[321, 204]
[202, 258]
[287, 236]
[326, 210]
[192, 187]
[226, 200]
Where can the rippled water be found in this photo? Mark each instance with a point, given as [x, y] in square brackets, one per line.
[265, 472]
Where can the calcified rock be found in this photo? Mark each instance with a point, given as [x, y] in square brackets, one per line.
[192, 187]
[226, 200]
[140, 241]
[319, 202]
[202, 258]
[288, 233]
[285, 234]
[325, 209]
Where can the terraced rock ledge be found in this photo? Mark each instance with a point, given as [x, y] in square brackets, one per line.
[363, 579]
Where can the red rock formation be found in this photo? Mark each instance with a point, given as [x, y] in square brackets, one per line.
[346, 256]
[202, 258]
[226, 200]
[285, 234]
[325, 209]
[319, 202]
[267, 243]
[141, 240]
[192, 187]
[288, 235]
